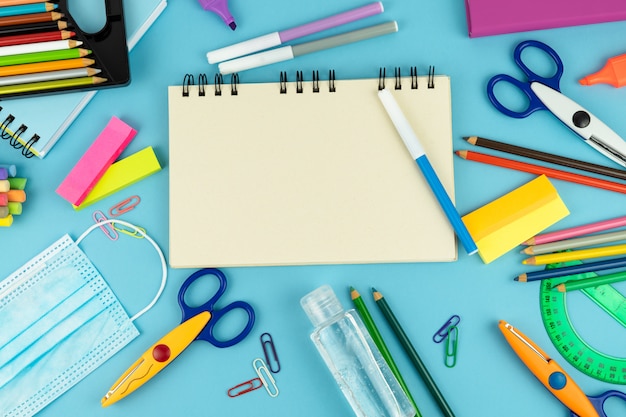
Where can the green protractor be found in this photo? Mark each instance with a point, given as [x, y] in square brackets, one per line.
[568, 342]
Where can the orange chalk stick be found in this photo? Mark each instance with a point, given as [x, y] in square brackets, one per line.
[613, 72]
[18, 196]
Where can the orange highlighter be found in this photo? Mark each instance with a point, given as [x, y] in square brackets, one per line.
[613, 72]
[551, 375]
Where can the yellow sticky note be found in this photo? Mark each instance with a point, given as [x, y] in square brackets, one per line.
[123, 173]
[514, 218]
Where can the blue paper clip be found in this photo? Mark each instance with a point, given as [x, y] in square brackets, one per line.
[452, 341]
[266, 340]
[442, 333]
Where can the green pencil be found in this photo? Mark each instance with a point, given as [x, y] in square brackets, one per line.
[361, 308]
[412, 353]
[34, 57]
[580, 284]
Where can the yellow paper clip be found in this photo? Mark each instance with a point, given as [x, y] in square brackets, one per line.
[452, 342]
[245, 387]
[264, 374]
[268, 346]
[124, 206]
[139, 233]
[108, 230]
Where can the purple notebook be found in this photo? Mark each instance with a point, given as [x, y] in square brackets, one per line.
[495, 17]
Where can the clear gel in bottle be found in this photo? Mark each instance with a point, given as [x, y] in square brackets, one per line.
[354, 360]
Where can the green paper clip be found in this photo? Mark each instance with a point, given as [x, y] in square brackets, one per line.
[452, 342]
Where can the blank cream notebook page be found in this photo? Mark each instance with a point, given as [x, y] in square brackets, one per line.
[262, 177]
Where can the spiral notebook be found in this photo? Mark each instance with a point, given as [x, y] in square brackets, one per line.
[33, 125]
[306, 172]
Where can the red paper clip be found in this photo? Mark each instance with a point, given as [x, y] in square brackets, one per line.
[245, 387]
[107, 228]
[124, 206]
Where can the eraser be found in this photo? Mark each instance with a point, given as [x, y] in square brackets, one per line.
[91, 167]
[514, 218]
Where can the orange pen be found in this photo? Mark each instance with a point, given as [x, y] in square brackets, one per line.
[550, 373]
[613, 72]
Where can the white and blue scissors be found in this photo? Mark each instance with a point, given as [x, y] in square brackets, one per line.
[544, 94]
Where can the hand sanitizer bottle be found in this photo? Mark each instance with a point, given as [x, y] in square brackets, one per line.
[353, 358]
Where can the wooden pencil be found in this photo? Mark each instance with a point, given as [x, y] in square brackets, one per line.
[34, 57]
[580, 284]
[50, 85]
[25, 19]
[546, 157]
[24, 9]
[48, 76]
[30, 48]
[33, 27]
[5, 3]
[57, 65]
[539, 170]
[576, 255]
[54, 35]
[578, 242]
[580, 268]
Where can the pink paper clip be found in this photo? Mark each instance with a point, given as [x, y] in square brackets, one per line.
[107, 229]
[124, 206]
[245, 387]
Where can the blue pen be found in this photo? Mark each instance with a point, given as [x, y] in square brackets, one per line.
[219, 7]
[417, 152]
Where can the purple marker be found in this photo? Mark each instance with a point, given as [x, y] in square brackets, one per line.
[278, 38]
[220, 8]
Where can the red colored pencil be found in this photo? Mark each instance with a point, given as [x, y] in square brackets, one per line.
[537, 169]
[56, 35]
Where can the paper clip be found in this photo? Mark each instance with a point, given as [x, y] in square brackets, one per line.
[109, 231]
[442, 333]
[124, 206]
[263, 372]
[245, 387]
[268, 341]
[139, 233]
[452, 341]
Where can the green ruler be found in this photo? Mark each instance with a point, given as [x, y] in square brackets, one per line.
[565, 338]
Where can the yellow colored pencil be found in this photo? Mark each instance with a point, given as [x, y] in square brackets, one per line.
[49, 85]
[576, 255]
[61, 64]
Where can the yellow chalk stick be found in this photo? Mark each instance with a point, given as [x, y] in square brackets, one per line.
[515, 217]
[6, 221]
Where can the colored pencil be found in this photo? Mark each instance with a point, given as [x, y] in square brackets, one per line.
[30, 48]
[54, 35]
[579, 242]
[27, 9]
[5, 3]
[576, 255]
[537, 169]
[62, 64]
[572, 270]
[361, 308]
[416, 150]
[546, 157]
[43, 56]
[577, 231]
[412, 353]
[49, 85]
[32, 28]
[48, 76]
[30, 18]
[580, 284]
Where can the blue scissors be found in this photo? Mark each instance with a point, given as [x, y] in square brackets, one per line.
[543, 93]
[198, 323]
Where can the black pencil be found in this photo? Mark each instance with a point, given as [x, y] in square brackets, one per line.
[33, 27]
[412, 353]
[546, 157]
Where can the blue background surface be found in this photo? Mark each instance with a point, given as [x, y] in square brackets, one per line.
[488, 380]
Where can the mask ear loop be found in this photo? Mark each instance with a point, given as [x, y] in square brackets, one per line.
[149, 239]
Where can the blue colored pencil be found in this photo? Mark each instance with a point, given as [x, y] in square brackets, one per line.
[572, 270]
[27, 9]
[417, 152]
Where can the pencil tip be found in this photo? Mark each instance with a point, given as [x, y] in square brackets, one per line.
[522, 278]
[374, 289]
[232, 25]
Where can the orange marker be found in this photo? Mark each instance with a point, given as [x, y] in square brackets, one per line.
[614, 73]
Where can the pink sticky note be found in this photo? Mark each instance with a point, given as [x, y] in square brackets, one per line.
[91, 167]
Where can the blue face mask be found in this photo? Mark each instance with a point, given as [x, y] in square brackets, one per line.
[59, 320]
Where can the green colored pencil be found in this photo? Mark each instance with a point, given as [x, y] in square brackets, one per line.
[580, 284]
[412, 353]
[49, 85]
[361, 308]
[33, 57]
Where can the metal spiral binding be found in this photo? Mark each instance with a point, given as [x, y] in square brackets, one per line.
[203, 82]
[382, 75]
[187, 81]
[14, 137]
[218, 84]
[300, 82]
